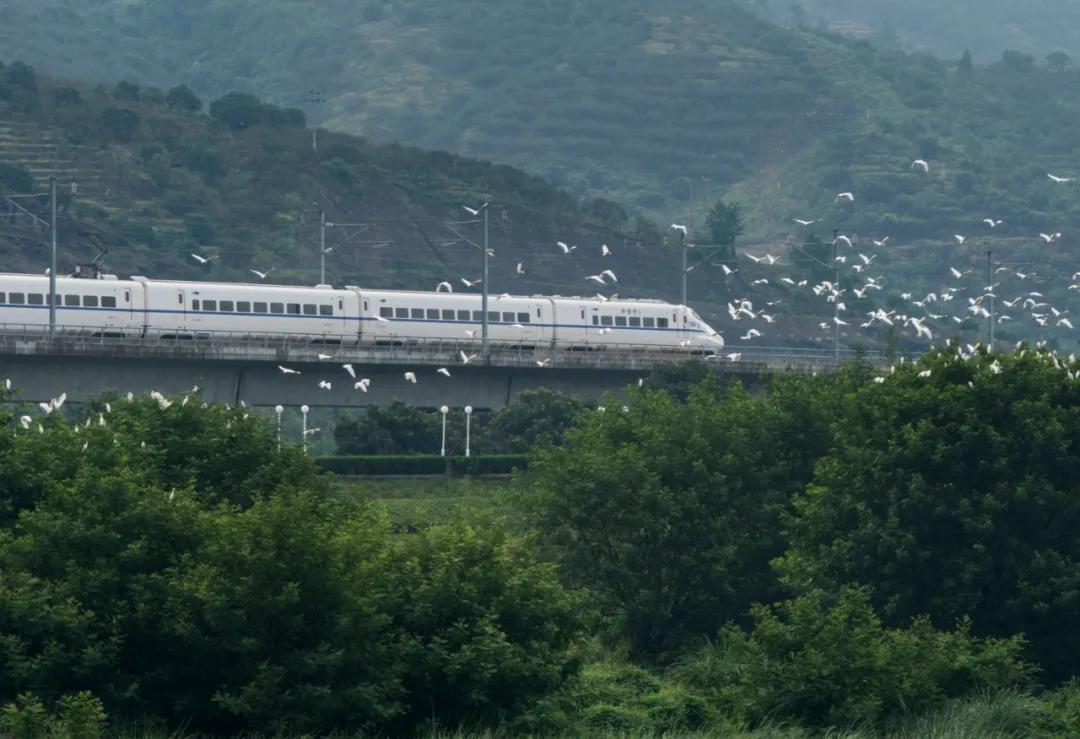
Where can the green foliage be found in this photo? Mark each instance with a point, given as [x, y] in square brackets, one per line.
[423, 464]
[670, 512]
[77, 716]
[120, 123]
[952, 496]
[15, 179]
[395, 429]
[238, 110]
[536, 418]
[826, 661]
[182, 97]
[126, 92]
[724, 226]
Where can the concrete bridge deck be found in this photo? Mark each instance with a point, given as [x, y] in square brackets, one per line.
[231, 368]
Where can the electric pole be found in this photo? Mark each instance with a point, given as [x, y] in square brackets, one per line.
[52, 260]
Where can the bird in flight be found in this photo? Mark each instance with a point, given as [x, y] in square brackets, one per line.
[474, 211]
[410, 377]
[543, 362]
[443, 371]
[802, 222]
[1059, 180]
[349, 368]
[261, 275]
[520, 268]
[362, 384]
[598, 279]
[1050, 238]
[845, 239]
[466, 358]
[609, 273]
[325, 384]
[202, 260]
[566, 248]
[605, 251]
[960, 238]
[470, 283]
[680, 228]
[882, 242]
[920, 164]
[850, 197]
[444, 286]
[991, 222]
[288, 371]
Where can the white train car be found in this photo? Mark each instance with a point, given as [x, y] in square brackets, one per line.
[101, 307]
[399, 317]
[187, 310]
[588, 324]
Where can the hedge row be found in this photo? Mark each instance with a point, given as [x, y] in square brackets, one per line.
[423, 464]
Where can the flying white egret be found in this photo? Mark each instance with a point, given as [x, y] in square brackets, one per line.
[362, 384]
[288, 371]
[261, 275]
[1059, 180]
[991, 222]
[382, 319]
[598, 279]
[444, 286]
[470, 283]
[844, 239]
[566, 248]
[850, 197]
[543, 362]
[410, 377]
[680, 228]
[326, 385]
[323, 357]
[609, 273]
[349, 368]
[751, 334]
[202, 259]
[802, 222]
[466, 358]
[960, 238]
[605, 251]
[443, 371]
[925, 373]
[520, 268]
[882, 242]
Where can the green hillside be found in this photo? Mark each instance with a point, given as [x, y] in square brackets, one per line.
[986, 27]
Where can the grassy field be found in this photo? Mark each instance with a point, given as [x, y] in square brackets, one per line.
[415, 502]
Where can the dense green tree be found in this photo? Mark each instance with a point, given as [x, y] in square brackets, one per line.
[395, 429]
[120, 123]
[1058, 61]
[723, 226]
[183, 97]
[952, 495]
[1018, 60]
[15, 179]
[126, 92]
[535, 418]
[68, 96]
[965, 66]
[670, 512]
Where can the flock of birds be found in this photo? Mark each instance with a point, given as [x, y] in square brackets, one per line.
[953, 304]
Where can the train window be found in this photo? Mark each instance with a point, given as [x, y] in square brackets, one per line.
[661, 323]
[108, 301]
[493, 316]
[341, 305]
[258, 307]
[605, 320]
[635, 321]
[620, 320]
[292, 308]
[418, 313]
[583, 315]
[477, 315]
[35, 299]
[195, 304]
[385, 312]
[508, 317]
[277, 307]
[433, 314]
[209, 305]
[310, 309]
[401, 312]
[226, 306]
[71, 300]
[523, 318]
[3, 298]
[243, 306]
[127, 297]
[16, 298]
[90, 301]
[462, 315]
[596, 320]
[326, 310]
[447, 315]
[648, 322]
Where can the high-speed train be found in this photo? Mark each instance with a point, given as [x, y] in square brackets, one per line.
[138, 306]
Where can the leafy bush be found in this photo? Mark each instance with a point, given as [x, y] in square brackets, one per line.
[823, 660]
[423, 464]
[77, 716]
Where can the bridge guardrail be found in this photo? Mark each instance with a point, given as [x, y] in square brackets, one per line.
[254, 346]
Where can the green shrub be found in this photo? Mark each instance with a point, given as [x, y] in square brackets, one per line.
[823, 660]
[422, 464]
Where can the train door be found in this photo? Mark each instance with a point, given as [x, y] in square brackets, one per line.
[181, 308]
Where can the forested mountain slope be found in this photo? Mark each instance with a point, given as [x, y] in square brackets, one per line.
[986, 27]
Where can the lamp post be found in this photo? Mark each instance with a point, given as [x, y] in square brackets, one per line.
[304, 411]
[279, 409]
[322, 247]
[52, 261]
[444, 410]
[468, 418]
